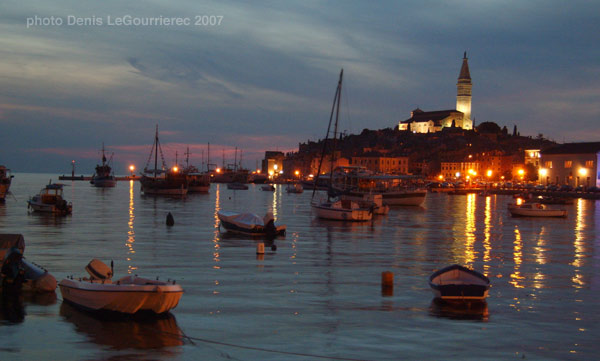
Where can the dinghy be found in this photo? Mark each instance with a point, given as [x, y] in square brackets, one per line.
[250, 224]
[459, 283]
[535, 210]
[129, 294]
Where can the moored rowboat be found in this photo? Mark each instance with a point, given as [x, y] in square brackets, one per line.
[459, 283]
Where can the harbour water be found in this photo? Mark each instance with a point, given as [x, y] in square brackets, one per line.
[318, 295]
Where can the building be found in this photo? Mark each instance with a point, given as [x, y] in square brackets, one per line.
[571, 164]
[396, 165]
[532, 156]
[434, 121]
[459, 170]
[273, 163]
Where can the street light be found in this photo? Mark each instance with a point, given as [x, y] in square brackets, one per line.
[131, 169]
[583, 172]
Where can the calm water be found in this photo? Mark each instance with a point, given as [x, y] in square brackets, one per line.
[319, 293]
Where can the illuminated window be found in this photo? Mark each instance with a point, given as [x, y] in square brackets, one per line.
[568, 163]
[589, 164]
[548, 164]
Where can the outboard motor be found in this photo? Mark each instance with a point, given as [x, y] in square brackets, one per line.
[270, 229]
[12, 272]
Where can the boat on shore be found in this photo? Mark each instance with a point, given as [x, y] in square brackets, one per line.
[104, 177]
[156, 181]
[528, 209]
[50, 200]
[129, 294]
[250, 224]
[5, 180]
[459, 283]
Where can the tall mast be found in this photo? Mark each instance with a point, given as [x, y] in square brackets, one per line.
[208, 159]
[156, 150]
[337, 115]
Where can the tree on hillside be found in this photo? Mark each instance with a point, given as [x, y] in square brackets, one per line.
[488, 127]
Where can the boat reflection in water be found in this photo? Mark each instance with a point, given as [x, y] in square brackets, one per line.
[125, 331]
[459, 310]
[12, 308]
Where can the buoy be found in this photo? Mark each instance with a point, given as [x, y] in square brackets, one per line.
[260, 248]
[387, 283]
[170, 220]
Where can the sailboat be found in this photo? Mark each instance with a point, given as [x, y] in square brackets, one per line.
[162, 181]
[104, 176]
[331, 208]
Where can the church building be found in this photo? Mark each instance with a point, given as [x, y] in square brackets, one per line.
[434, 121]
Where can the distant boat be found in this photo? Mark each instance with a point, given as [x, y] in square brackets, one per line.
[535, 210]
[237, 186]
[340, 210]
[459, 283]
[50, 200]
[250, 224]
[129, 294]
[198, 182]
[5, 180]
[268, 188]
[294, 188]
[104, 178]
[160, 181]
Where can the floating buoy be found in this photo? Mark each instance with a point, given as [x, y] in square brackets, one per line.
[260, 248]
[170, 220]
[387, 283]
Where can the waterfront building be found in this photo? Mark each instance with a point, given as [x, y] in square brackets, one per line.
[532, 156]
[434, 121]
[377, 164]
[460, 170]
[571, 164]
[272, 164]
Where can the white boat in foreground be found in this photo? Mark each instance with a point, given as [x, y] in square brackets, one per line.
[129, 294]
[535, 210]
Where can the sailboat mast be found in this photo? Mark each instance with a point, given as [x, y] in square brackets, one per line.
[337, 116]
[235, 160]
[156, 151]
[208, 159]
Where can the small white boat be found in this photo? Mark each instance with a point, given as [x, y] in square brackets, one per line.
[50, 200]
[129, 294]
[374, 202]
[459, 283]
[343, 210]
[250, 224]
[535, 210]
[294, 188]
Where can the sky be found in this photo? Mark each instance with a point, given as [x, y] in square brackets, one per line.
[261, 75]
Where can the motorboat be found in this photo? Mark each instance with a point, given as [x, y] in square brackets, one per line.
[457, 282]
[50, 200]
[268, 188]
[250, 224]
[18, 273]
[237, 186]
[294, 188]
[104, 177]
[343, 210]
[5, 180]
[157, 181]
[129, 294]
[535, 210]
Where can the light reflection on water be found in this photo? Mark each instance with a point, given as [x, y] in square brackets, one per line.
[321, 288]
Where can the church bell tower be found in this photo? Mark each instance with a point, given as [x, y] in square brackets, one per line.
[463, 94]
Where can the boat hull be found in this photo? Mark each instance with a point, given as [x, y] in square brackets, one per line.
[154, 296]
[3, 191]
[459, 283]
[104, 182]
[49, 208]
[404, 198]
[342, 214]
[521, 212]
[232, 223]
